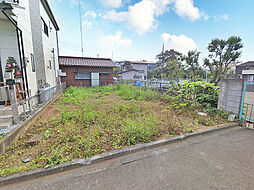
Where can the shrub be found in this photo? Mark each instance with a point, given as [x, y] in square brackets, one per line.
[193, 94]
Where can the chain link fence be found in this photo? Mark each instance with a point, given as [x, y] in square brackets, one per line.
[248, 104]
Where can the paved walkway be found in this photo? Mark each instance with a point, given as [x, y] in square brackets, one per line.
[220, 160]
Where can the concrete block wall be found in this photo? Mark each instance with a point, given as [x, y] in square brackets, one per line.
[230, 96]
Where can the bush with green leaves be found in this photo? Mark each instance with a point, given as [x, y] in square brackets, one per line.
[193, 94]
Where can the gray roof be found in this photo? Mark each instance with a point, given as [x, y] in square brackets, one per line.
[138, 62]
[249, 63]
[85, 61]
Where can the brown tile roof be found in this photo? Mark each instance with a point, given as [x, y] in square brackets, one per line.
[85, 61]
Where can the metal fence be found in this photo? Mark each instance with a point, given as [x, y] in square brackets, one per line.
[28, 106]
[103, 82]
[247, 107]
[149, 84]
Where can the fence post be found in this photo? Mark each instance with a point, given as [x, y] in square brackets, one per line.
[244, 90]
[14, 104]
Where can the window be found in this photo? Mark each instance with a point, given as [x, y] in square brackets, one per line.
[82, 76]
[45, 27]
[50, 65]
[141, 71]
[137, 77]
[32, 62]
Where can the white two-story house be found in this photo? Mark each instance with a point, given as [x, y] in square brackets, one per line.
[246, 71]
[134, 70]
[29, 34]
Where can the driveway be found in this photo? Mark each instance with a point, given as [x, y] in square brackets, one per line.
[220, 160]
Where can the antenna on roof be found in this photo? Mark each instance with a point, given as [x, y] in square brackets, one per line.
[81, 33]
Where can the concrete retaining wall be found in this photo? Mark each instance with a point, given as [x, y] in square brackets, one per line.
[22, 127]
[230, 97]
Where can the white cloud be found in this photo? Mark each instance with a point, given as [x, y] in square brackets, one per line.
[179, 43]
[221, 17]
[186, 8]
[90, 14]
[165, 37]
[115, 40]
[87, 23]
[142, 16]
[115, 16]
[112, 3]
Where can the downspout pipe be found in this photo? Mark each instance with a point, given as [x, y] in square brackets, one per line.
[19, 34]
[57, 41]
[20, 59]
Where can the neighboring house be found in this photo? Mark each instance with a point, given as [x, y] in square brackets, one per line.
[245, 71]
[28, 32]
[151, 66]
[86, 71]
[134, 70]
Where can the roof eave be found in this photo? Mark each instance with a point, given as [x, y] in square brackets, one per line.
[49, 11]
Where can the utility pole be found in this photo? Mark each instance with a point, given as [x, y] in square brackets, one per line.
[112, 54]
[81, 33]
[162, 61]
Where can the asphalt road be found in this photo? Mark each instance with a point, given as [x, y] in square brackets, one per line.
[220, 160]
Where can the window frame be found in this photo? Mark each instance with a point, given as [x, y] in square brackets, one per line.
[45, 27]
[32, 62]
[82, 78]
[50, 64]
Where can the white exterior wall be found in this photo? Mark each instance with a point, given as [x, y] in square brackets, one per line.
[140, 67]
[8, 43]
[129, 75]
[24, 23]
[49, 43]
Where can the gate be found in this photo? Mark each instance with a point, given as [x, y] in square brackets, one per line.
[247, 105]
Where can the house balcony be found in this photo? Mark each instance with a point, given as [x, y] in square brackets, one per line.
[248, 72]
[7, 6]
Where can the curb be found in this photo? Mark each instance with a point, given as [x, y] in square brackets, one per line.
[15, 178]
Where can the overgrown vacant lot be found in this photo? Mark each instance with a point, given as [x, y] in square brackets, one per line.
[88, 121]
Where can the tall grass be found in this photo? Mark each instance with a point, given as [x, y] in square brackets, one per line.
[76, 95]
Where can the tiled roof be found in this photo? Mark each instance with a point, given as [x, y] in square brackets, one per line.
[249, 63]
[85, 61]
[128, 71]
[138, 62]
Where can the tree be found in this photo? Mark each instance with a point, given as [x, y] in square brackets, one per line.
[116, 70]
[200, 73]
[155, 73]
[170, 64]
[169, 55]
[191, 61]
[222, 53]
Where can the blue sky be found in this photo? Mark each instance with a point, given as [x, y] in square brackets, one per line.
[136, 29]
